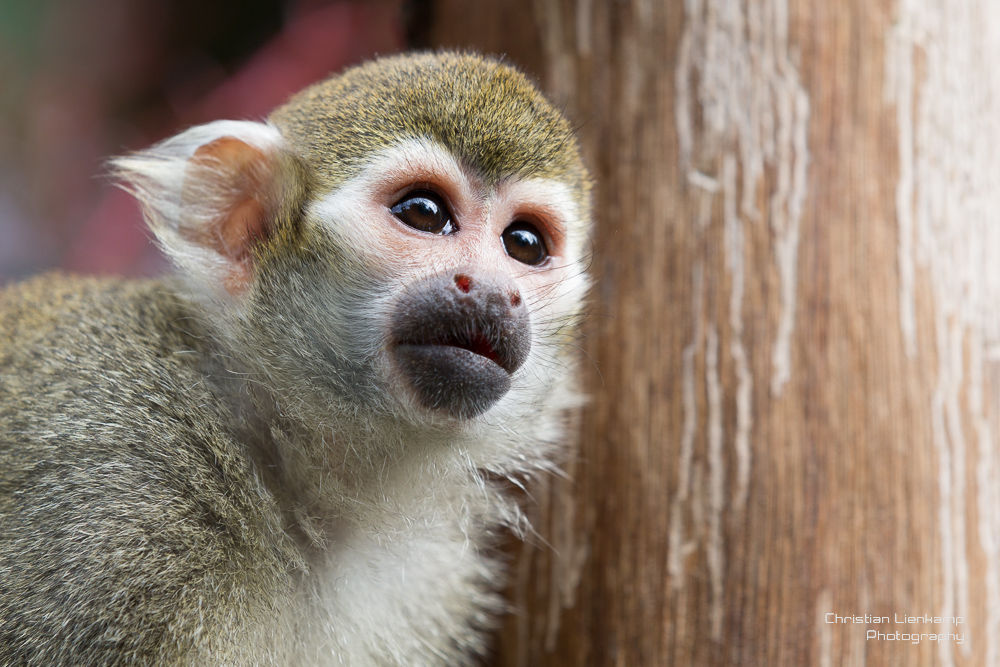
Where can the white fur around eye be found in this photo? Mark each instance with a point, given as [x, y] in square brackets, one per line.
[421, 160]
[358, 203]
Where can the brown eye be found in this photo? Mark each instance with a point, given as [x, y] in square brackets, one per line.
[524, 243]
[424, 211]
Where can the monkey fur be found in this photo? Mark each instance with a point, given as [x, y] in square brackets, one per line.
[287, 454]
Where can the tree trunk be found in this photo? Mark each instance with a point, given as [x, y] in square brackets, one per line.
[790, 455]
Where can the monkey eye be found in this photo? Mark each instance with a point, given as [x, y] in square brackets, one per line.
[424, 211]
[524, 243]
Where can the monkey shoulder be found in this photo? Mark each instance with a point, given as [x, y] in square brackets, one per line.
[127, 511]
[103, 369]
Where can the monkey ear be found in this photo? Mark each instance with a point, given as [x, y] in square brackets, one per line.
[213, 193]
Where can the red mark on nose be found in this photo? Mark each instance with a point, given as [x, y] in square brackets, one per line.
[515, 300]
[463, 283]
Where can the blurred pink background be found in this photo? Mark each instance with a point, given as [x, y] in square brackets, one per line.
[82, 80]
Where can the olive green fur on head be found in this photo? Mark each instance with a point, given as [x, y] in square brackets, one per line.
[485, 112]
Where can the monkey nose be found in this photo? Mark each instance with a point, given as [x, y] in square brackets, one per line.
[465, 284]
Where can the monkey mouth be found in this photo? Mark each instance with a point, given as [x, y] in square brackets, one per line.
[456, 342]
[475, 342]
[462, 374]
[455, 379]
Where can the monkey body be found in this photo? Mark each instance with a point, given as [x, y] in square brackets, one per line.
[119, 515]
[195, 541]
[284, 455]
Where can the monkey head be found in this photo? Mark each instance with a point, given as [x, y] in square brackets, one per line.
[404, 240]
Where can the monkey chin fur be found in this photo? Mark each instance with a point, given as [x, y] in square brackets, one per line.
[296, 452]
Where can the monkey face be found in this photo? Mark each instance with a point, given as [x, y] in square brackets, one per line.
[467, 282]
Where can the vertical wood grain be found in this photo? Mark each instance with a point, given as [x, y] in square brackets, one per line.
[794, 337]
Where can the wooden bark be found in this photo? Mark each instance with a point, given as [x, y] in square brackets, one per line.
[794, 336]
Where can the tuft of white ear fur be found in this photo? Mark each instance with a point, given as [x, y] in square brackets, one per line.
[180, 209]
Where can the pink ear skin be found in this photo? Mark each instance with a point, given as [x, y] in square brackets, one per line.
[240, 179]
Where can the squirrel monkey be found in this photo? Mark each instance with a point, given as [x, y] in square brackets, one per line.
[288, 454]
